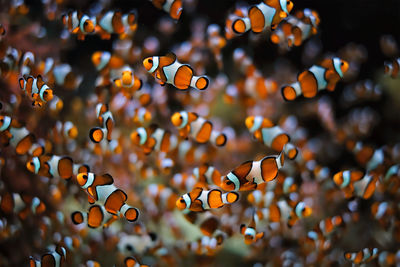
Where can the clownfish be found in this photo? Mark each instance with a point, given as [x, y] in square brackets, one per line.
[141, 116]
[36, 89]
[167, 69]
[191, 153]
[129, 82]
[216, 42]
[317, 78]
[200, 200]
[106, 120]
[95, 217]
[392, 68]
[250, 234]
[132, 262]
[116, 22]
[61, 75]
[172, 7]
[207, 175]
[101, 188]
[54, 258]
[162, 196]
[154, 138]
[391, 179]
[78, 23]
[281, 211]
[63, 131]
[183, 181]
[266, 14]
[207, 222]
[363, 256]
[18, 137]
[356, 183]
[272, 136]
[104, 60]
[208, 245]
[239, 13]
[189, 123]
[295, 29]
[21, 204]
[53, 166]
[248, 175]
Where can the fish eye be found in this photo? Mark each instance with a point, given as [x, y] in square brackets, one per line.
[180, 117]
[341, 64]
[85, 23]
[84, 177]
[229, 182]
[45, 93]
[31, 163]
[1, 120]
[129, 247]
[182, 200]
[288, 3]
[150, 61]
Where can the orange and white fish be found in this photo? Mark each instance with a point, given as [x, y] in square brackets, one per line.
[207, 175]
[206, 221]
[250, 234]
[200, 129]
[172, 7]
[167, 69]
[293, 30]
[101, 188]
[59, 74]
[132, 262]
[104, 60]
[118, 23]
[392, 68]
[53, 166]
[238, 13]
[363, 256]
[271, 135]
[63, 132]
[54, 258]
[248, 175]
[262, 16]
[355, 183]
[106, 120]
[95, 217]
[78, 23]
[317, 78]
[282, 211]
[162, 196]
[154, 138]
[24, 142]
[36, 89]
[21, 204]
[128, 82]
[200, 200]
[216, 42]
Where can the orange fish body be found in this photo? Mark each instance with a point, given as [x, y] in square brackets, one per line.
[36, 89]
[317, 78]
[167, 69]
[189, 123]
[392, 68]
[95, 217]
[101, 188]
[172, 7]
[250, 174]
[78, 23]
[118, 23]
[200, 200]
